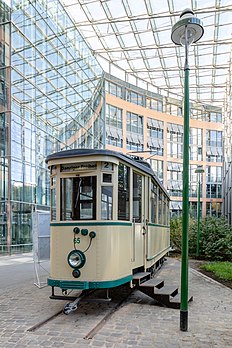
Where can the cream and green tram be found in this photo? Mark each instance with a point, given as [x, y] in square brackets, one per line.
[109, 219]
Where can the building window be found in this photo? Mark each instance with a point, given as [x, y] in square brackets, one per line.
[158, 168]
[214, 146]
[176, 208]
[213, 116]
[175, 140]
[134, 132]
[155, 136]
[154, 104]
[175, 181]
[213, 182]
[193, 181]
[114, 135]
[193, 209]
[113, 116]
[195, 141]
[135, 98]
[174, 110]
[134, 123]
[214, 138]
[214, 209]
[113, 89]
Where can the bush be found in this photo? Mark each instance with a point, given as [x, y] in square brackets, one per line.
[215, 238]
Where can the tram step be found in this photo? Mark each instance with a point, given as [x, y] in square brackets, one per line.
[175, 301]
[141, 277]
[166, 290]
[153, 283]
[161, 293]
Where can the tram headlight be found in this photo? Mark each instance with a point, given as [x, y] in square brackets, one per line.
[76, 259]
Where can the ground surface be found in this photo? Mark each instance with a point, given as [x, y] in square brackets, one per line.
[138, 323]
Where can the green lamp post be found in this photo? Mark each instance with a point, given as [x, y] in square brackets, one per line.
[188, 30]
[198, 171]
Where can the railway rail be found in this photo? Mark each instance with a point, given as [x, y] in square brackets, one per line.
[116, 303]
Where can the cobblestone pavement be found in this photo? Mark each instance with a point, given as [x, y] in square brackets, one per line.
[139, 323]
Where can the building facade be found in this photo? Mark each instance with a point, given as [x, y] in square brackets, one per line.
[150, 125]
[55, 96]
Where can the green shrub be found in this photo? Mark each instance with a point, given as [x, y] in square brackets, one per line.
[215, 238]
[175, 233]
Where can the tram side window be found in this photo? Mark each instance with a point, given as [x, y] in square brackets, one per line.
[168, 212]
[164, 217]
[107, 203]
[123, 192]
[53, 204]
[78, 198]
[160, 208]
[137, 197]
[153, 202]
[66, 199]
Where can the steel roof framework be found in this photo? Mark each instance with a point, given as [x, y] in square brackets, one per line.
[134, 37]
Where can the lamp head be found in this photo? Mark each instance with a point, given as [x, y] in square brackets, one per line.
[192, 24]
[199, 170]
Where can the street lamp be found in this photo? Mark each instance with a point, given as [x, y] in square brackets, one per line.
[198, 171]
[186, 31]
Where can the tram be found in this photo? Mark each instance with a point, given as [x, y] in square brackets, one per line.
[109, 219]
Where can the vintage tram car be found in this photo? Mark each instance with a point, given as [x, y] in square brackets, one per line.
[109, 219]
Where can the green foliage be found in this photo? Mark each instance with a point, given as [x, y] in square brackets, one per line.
[215, 238]
[175, 233]
[222, 270]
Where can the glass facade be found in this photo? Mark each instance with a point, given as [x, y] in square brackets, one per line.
[57, 103]
[4, 119]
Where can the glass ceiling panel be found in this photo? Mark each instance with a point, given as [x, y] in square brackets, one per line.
[159, 6]
[136, 36]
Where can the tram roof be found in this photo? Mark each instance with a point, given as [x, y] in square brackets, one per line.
[140, 164]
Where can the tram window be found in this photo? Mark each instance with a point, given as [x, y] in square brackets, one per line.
[107, 203]
[53, 204]
[160, 208]
[66, 199]
[153, 202]
[78, 198]
[123, 192]
[137, 197]
[164, 217]
[107, 177]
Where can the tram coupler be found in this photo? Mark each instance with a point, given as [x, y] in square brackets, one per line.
[72, 306]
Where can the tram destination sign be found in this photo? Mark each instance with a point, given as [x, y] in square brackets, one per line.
[73, 167]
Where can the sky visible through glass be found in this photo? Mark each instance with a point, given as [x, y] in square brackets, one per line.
[132, 39]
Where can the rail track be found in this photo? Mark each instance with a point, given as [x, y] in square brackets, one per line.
[119, 299]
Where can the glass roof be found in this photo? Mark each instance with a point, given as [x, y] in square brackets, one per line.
[132, 40]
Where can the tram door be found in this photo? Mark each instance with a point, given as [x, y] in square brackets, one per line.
[139, 218]
[146, 190]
